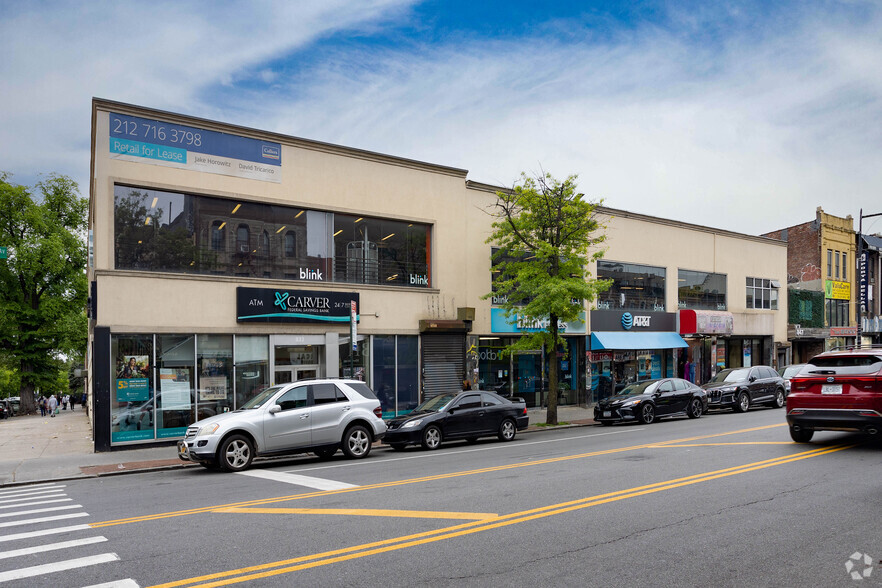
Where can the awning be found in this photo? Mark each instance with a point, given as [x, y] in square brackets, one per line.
[646, 340]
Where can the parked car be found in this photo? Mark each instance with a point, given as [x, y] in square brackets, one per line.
[648, 400]
[15, 404]
[787, 372]
[318, 416]
[741, 388]
[839, 390]
[465, 415]
[5, 409]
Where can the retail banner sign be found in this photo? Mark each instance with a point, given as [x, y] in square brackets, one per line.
[837, 290]
[270, 305]
[133, 390]
[142, 140]
[500, 323]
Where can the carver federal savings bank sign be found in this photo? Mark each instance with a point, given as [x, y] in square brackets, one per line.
[271, 305]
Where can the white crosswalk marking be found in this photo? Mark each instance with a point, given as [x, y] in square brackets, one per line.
[57, 566]
[9, 498]
[127, 583]
[308, 481]
[36, 503]
[39, 510]
[44, 532]
[51, 547]
[44, 519]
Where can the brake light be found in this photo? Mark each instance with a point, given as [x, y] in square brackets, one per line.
[525, 411]
[378, 412]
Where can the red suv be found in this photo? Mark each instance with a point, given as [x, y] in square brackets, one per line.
[839, 390]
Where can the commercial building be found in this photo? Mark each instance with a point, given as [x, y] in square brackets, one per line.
[226, 259]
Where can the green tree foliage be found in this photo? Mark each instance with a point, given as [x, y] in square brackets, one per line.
[547, 234]
[43, 281]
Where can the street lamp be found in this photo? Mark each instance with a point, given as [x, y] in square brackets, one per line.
[862, 274]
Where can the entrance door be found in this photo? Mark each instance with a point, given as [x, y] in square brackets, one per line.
[288, 374]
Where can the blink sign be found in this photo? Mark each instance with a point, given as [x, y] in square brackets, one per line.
[155, 142]
[269, 305]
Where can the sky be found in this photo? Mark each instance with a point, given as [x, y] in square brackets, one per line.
[743, 116]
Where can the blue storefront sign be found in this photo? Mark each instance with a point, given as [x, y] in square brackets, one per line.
[500, 323]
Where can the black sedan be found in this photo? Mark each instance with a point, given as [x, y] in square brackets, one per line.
[464, 415]
[646, 401]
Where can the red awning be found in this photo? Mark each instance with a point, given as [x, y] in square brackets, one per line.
[706, 322]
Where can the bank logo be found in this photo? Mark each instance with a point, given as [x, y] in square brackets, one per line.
[281, 300]
[270, 152]
[627, 321]
[859, 566]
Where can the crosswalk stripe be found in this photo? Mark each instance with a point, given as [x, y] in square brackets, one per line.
[30, 495]
[31, 487]
[39, 510]
[51, 547]
[30, 490]
[308, 481]
[127, 583]
[57, 566]
[44, 519]
[35, 503]
[44, 532]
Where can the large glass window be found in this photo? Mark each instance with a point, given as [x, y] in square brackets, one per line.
[175, 400]
[131, 411]
[634, 286]
[252, 366]
[380, 251]
[762, 293]
[837, 313]
[701, 290]
[395, 373]
[214, 362]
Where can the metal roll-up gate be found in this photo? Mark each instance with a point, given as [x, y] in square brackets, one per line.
[443, 363]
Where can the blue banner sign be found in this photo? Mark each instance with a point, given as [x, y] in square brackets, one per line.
[144, 140]
[499, 323]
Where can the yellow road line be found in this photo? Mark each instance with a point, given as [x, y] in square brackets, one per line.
[722, 444]
[359, 551]
[366, 512]
[433, 478]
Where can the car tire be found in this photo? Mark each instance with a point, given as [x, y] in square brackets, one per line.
[508, 430]
[743, 403]
[356, 442]
[432, 437]
[647, 413]
[326, 453]
[235, 454]
[802, 435]
[779, 399]
[694, 411]
[397, 446]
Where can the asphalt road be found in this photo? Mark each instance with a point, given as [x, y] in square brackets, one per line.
[725, 500]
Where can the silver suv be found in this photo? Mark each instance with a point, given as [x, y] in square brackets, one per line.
[318, 416]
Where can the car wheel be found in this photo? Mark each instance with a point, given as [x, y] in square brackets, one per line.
[325, 453]
[507, 430]
[779, 399]
[743, 403]
[694, 411]
[647, 413]
[802, 435]
[431, 437]
[397, 446]
[356, 442]
[236, 453]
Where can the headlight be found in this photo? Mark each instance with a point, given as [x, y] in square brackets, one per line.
[207, 430]
[411, 424]
[633, 402]
[728, 389]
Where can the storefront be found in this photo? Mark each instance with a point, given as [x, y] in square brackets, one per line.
[626, 347]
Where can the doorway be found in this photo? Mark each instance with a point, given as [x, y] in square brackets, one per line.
[288, 374]
[297, 357]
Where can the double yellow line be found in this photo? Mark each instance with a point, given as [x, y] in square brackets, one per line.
[368, 549]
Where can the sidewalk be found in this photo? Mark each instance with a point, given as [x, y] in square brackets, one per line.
[40, 449]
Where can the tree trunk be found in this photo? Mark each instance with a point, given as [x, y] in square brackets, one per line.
[551, 359]
[27, 405]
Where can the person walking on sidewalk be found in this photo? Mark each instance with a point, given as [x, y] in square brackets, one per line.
[41, 402]
[53, 405]
[72, 401]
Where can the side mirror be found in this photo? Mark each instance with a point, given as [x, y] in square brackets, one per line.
[751, 379]
[274, 409]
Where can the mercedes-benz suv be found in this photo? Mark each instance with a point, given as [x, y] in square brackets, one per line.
[838, 390]
[317, 416]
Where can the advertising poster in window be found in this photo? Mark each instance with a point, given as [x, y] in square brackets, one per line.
[175, 387]
[132, 381]
[212, 388]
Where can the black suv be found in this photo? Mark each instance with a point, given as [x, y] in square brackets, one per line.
[741, 388]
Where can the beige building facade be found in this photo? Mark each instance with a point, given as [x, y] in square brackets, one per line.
[226, 259]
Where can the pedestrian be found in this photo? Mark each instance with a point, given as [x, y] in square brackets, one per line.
[72, 401]
[83, 400]
[53, 405]
[64, 401]
[41, 402]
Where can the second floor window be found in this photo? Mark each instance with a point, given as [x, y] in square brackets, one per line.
[701, 290]
[762, 293]
[638, 287]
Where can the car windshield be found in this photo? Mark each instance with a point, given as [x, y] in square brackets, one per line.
[435, 404]
[261, 398]
[734, 375]
[639, 388]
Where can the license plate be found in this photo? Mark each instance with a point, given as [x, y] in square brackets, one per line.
[831, 389]
[182, 448]
[607, 413]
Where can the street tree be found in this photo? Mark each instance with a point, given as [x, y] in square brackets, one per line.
[42, 280]
[547, 233]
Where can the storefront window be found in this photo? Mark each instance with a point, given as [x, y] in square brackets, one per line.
[252, 366]
[360, 359]
[380, 251]
[133, 388]
[384, 372]
[408, 373]
[528, 381]
[701, 290]
[493, 366]
[634, 287]
[214, 361]
[176, 398]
